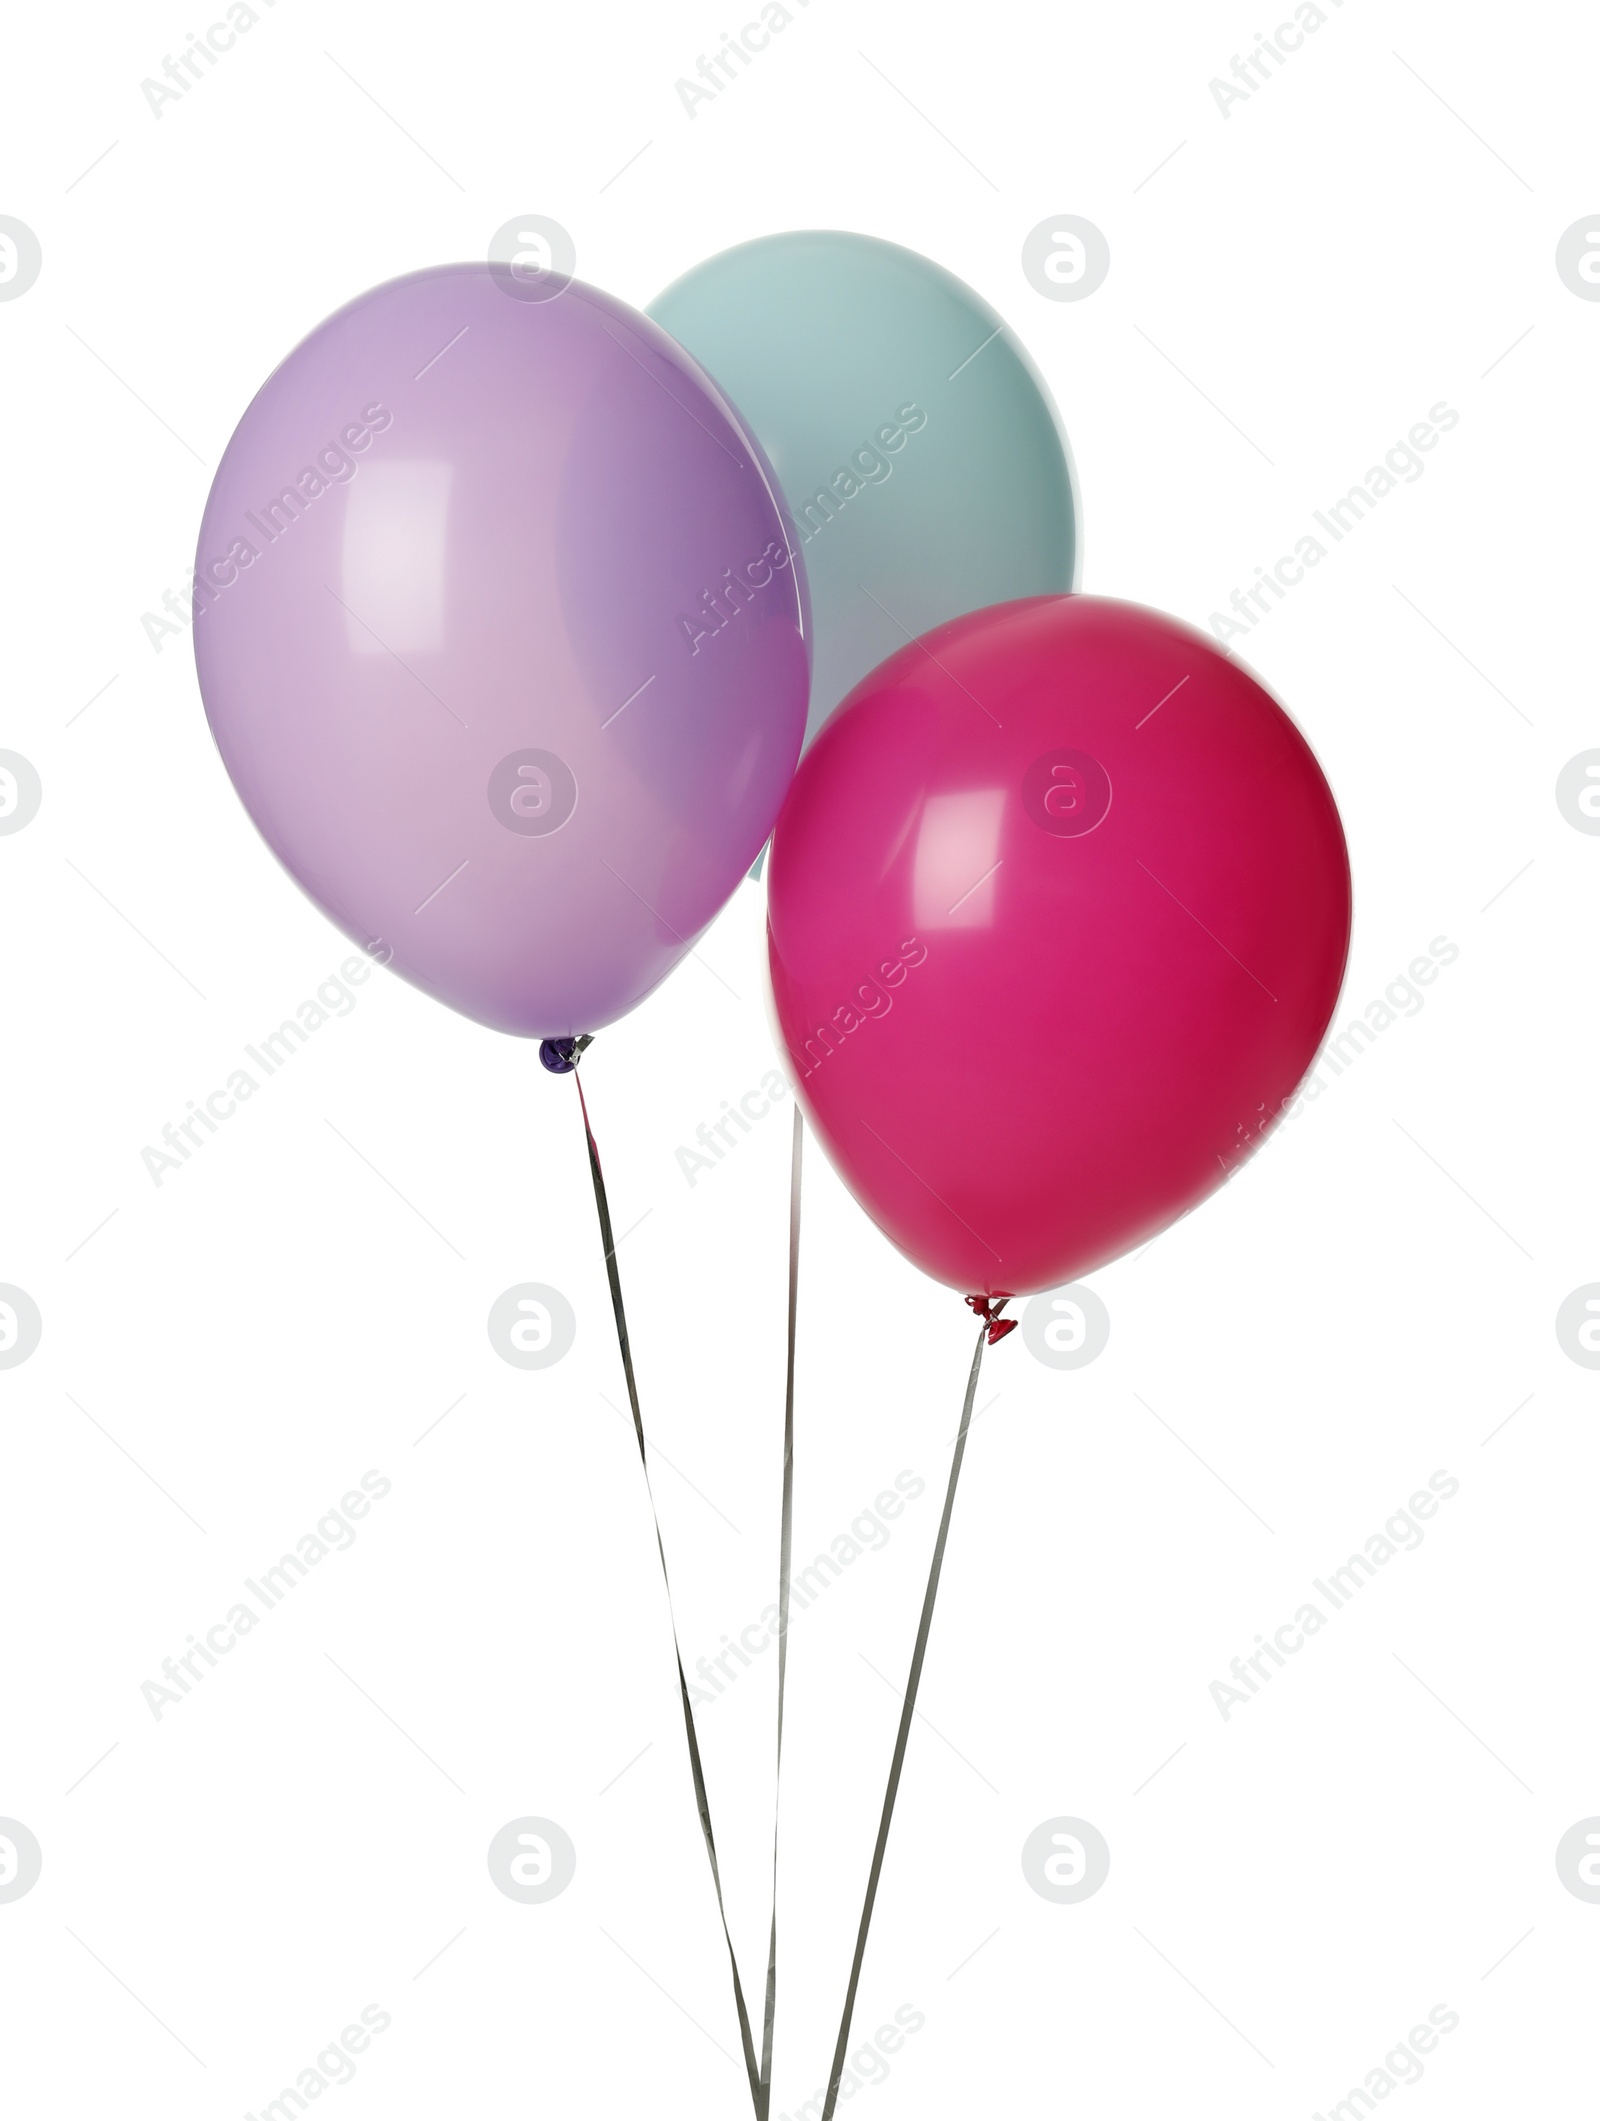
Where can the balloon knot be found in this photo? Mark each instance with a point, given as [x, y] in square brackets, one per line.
[562, 1055]
[989, 1309]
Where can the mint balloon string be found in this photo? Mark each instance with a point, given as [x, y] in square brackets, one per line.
[561, 1056]
[785, 1550]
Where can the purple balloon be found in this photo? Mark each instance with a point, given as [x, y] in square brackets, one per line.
[502, 642]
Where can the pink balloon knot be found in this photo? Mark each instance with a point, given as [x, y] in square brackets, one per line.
[989, 1309]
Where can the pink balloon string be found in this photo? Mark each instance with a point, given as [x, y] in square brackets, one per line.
[989, 1312]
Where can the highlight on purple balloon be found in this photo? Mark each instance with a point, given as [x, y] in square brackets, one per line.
[502, 641]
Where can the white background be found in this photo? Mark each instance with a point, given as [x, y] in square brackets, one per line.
[305, 1834]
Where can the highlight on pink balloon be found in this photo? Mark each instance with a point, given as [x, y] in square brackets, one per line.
[1059, 910]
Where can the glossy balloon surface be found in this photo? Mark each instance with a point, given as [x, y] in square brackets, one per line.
[501, 641]
[1059, 910]
[923, 463]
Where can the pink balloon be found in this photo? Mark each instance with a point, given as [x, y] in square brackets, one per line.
[1059, 910]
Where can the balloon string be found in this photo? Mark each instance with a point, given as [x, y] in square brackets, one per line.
[785, 1548]
[758, 2092]
[907, 1711]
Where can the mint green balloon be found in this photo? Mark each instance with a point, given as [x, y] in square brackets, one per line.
[923, 463]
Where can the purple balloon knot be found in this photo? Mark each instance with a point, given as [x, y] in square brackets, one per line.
[562, 1055]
